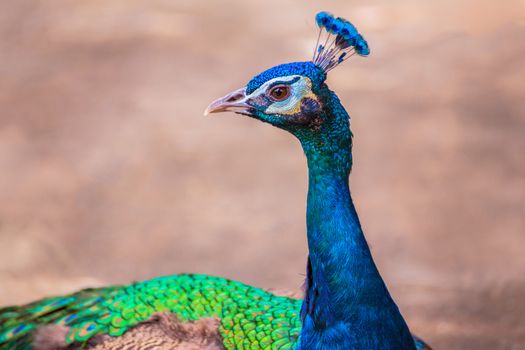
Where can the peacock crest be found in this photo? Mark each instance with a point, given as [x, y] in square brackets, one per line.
[338, 40]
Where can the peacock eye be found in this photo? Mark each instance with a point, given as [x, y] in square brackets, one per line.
[280, 92]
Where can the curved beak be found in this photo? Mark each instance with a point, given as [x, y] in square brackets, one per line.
[235, 101]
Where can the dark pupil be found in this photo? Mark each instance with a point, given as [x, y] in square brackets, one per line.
[279, 92]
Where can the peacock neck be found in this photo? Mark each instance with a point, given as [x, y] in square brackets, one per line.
[347, 305]
[342, 271]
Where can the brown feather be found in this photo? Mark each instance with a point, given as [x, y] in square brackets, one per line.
[52, 337]
[162, 331]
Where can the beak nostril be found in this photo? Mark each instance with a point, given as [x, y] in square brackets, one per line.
[234, 98]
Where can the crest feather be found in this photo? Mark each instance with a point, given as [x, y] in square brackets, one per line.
[342, 41]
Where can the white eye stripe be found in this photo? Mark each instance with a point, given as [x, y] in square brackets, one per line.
[300, 87]
[262, 89]
[292, 104]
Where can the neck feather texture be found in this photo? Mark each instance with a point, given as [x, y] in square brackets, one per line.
[347, 305]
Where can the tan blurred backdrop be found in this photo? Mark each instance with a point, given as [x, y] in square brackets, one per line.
[109, 173]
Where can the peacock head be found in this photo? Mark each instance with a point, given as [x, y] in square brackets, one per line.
[294, 96]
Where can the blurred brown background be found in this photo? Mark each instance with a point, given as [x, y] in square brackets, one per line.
[110, 173]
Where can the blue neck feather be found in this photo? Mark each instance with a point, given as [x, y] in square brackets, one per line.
[347, 305]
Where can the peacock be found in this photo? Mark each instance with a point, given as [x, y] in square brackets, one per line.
[346, 303]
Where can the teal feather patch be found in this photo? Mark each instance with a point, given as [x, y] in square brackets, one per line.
[244, 311]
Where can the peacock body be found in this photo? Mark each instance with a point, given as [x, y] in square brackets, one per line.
[248, 317]
[346, 303]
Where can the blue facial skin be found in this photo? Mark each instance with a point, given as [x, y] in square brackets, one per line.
[347, 305]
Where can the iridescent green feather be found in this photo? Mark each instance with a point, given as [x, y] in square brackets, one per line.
[251, 318]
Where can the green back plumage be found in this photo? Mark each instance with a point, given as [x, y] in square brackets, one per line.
[251, 318]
